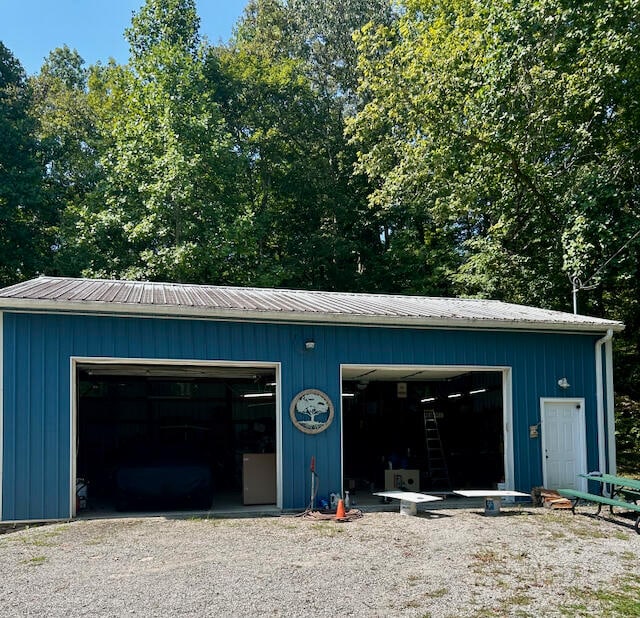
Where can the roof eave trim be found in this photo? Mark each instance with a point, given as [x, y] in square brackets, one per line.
[292, 316]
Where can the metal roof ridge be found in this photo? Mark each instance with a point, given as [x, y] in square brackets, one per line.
[120, 292]
[275, 289]
[336, 319]
[260, 289]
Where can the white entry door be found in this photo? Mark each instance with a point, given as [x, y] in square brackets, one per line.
[564, 444]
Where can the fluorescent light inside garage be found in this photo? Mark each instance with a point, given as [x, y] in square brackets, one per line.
[257, 395]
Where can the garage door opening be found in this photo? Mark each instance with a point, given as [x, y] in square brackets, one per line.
[169, 437]
[422, 429]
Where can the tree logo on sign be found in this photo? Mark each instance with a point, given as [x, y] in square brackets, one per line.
[311, 411]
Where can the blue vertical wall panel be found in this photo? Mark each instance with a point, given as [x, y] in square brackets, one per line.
[36, 455]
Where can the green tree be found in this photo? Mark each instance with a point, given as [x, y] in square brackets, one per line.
[25, 222]
[322, 34]
[500, 123]
[68, 143]
[310, 217]
[291, 179]
[339, 241]
[163, 210]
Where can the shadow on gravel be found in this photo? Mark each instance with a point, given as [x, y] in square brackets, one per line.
[9, 528]
[432, 515]
[617, 519]
[503, 514]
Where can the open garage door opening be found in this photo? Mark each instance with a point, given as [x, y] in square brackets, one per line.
[422, 429]
[174, 437]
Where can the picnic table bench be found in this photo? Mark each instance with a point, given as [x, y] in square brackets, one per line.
[620, 487]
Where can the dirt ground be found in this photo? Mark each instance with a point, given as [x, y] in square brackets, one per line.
[441, 563]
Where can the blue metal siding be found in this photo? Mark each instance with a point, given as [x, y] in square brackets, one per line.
[37, 349]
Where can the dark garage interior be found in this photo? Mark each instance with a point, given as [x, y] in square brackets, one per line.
[173, 437]
[422, 430]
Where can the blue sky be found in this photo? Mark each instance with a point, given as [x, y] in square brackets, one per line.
[32, 28]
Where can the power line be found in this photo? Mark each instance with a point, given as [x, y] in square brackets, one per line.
[615, 254]
[578, 284]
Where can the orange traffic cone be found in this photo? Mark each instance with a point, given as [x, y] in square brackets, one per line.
[340, 514]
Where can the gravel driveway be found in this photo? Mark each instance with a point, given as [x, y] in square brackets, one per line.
[526, 562]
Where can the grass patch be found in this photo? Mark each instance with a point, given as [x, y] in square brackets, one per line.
[38, 542]
[486, 612]
[328, 529]
[507, 607]
[487, 556]
[519, 599]
[35, 560]
[488, 561]
[501, 584]
[625, 601]
[621, 600]
[591, 532]
[574, 610]
[436, 594]
[411, 604]
[45, 539]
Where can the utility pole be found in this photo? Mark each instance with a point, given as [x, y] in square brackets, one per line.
[577, 285]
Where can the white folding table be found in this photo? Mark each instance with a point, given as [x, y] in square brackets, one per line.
[492, 497]
[409, 500]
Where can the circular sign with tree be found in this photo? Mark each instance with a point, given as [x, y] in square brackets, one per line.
[311, 411]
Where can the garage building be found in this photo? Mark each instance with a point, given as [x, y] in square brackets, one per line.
[141, 396]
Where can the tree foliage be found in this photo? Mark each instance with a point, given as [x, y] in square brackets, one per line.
[491, 149]
[68, 141]
[508, 126]
[25, 220]
[164, 210]
[308, 229]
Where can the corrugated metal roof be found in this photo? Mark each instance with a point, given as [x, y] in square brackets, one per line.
[66, 294]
